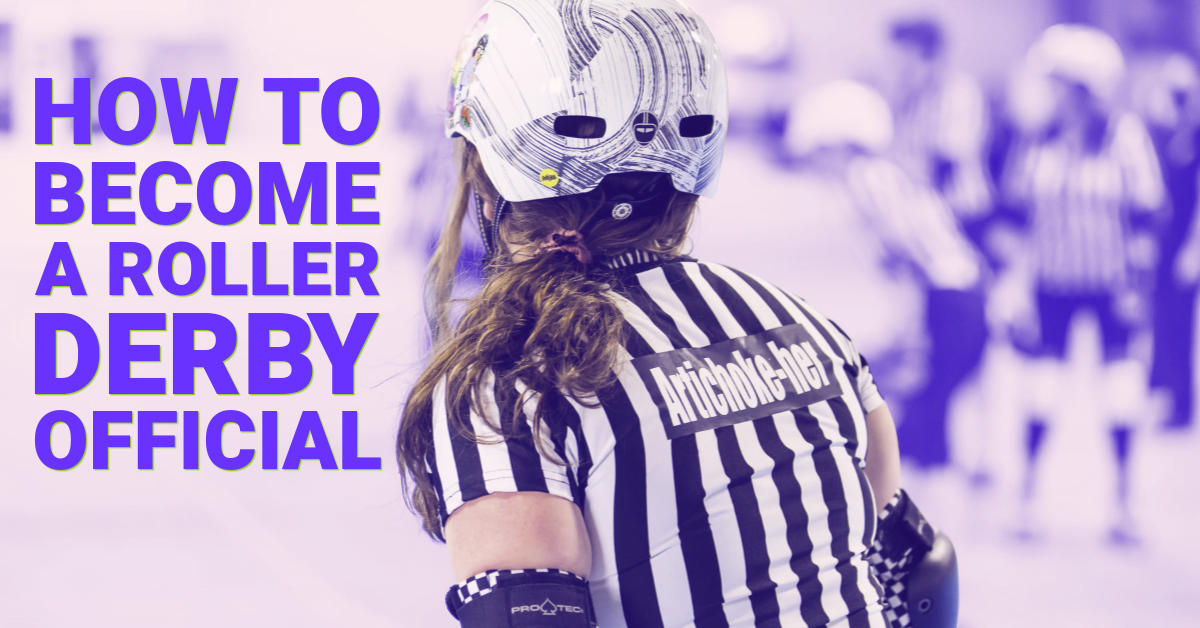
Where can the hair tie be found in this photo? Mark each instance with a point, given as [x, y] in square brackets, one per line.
[570, 241]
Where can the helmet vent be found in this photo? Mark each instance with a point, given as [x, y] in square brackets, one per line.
[583, 127]
[696, 126]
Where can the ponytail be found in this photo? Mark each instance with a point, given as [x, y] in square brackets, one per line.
[545, 316]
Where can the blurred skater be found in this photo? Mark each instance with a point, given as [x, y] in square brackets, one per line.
[1170, 102]
[1091, 182]
[844, 128]
[941, 122]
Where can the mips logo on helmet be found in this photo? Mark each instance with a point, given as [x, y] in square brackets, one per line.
[645, 126]
[547, 608]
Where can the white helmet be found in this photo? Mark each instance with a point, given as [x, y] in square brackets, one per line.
[1079, 53]
[558, 94]
[840, 113]
[1165, 95]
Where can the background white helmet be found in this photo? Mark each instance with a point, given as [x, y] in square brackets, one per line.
[840, 113]
[557, 94]
[1079, 53]
[1166, 92]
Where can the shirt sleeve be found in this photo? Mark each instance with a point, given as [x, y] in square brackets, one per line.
[1139, 162]
[864, 382]
[868, 393]
[476, 460]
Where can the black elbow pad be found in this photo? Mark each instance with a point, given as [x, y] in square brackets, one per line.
[522, 598]
[933, 587]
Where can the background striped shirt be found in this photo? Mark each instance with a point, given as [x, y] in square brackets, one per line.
[946, 124]
[722, 479]
[913, 221]
[1083, 204]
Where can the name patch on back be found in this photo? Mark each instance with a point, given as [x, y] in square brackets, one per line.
[737, 380]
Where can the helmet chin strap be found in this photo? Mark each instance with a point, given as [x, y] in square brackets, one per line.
[490, 229]
[497, 216]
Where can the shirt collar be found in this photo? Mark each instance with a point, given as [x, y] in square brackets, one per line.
[633, 258]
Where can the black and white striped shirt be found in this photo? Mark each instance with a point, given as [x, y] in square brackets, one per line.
[722, 480]
[1082, 205]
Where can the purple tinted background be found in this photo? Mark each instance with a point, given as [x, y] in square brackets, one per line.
[317, 548]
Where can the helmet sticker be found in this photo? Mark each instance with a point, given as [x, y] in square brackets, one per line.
[470, 53]
[645, 126]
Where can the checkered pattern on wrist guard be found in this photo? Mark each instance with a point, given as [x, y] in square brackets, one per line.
[898, 546]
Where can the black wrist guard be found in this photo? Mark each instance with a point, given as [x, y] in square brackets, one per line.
[522, 598]
[917, 567]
